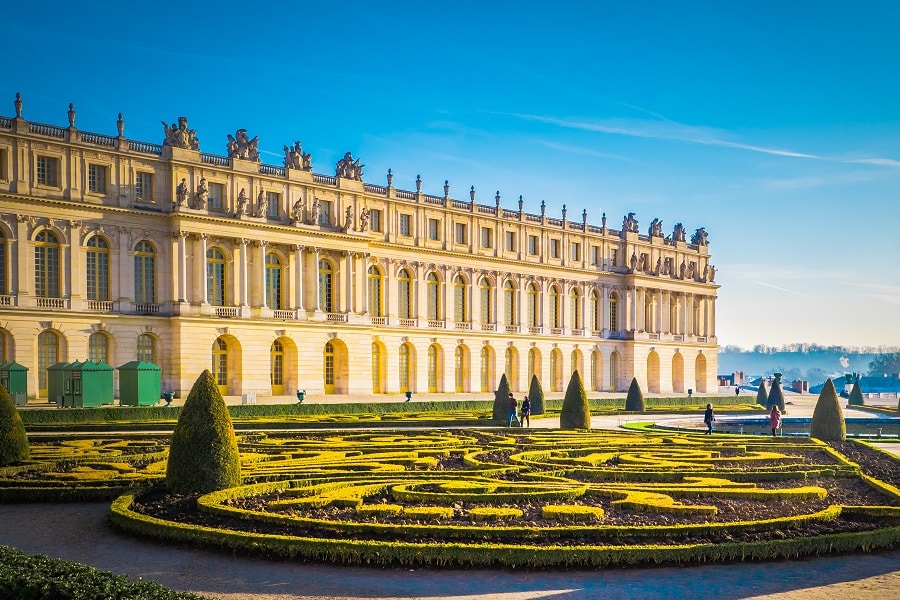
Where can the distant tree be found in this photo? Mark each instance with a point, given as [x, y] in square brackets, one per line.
[776, 396]
[788, 374]
[856, 397]
[536, 396]
[815, 376]
[885, 364]
[634, 401]
[13, 441]
[501, 400]
[828, 420]
[762, 398]
[575, 413]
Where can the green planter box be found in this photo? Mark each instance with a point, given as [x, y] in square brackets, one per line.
[140, 383]
[57, 375]
[14, 377]
[91, 384]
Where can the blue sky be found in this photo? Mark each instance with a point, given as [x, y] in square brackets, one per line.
[775, 125]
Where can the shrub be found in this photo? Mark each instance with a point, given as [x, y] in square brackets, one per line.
[776, 396]
[856, 397]
[379, 510]
[570, 513]
[634, 401]
[428, 513]
[491, 513]
[536, 396]
[501, 400]
[828, 419]
[762, 398]
[13, 441]
[204, 455]
[575, 413]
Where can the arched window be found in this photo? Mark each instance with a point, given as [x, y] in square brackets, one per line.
[460, 368]
[276, 368]
[146, 348]
[614, 372]
[5, 350]
[98, 347]
[460, 314]
[273, 282]
[484, 300]
[648, 313]
[48, 355]
[220, 364]
[575, 303]
[404, 295]
[531, 294]
[46, 265]
[433, 292]
[577, 363]
[487, 369]
[555, 370]
[215, 277]
[404, 368]
[3, 279]
[326, 286]
[534, 364]
[509, 303]
[593, 311]
[554, 307]
[511, 367]
[97, 268]
[613, 312]
[595, 370]
[673, 314]
[376, 297]
[329, 368]
[433, 368]
[144, 273]
[376, 368]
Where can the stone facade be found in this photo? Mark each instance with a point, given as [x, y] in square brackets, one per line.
[280, 278]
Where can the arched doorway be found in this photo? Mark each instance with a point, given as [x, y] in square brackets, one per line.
[276, 368]
[614, 371]
[487, 369]
[677, 372]
[511, 367]
[461, 368]
[534, 364]
[48, 355]
[378, 368]
[556, 370]
[596, 370]
[407, 368]
[653, 372]
[335, 367]
[578, 362]
[435, 369]
[700, 373]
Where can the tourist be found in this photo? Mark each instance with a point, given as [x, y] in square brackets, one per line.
[775, 419]
[512, 403]
[708, 418]
[526, 412]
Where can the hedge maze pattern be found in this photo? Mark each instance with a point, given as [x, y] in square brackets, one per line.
[488, 498]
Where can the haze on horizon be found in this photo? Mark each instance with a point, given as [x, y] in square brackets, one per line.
[773, 125]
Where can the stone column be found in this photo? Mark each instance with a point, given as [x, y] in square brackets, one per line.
[72, 283]
[261, 271]
[22, 276]
[298, 276]
[364, 284]
[316, 305]
[243, 278]
[200, 282]
[181, 292]
[347, 295]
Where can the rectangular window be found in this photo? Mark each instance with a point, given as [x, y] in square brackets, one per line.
[324, 216]
[486, 237]
[48, 171]
[404, 225]
[614, 257]
[595, 255]
[461, 234]
[97, 179]
[510, 241]
[216, 196]
[533, 245]
[4, 170]
[143, 186]
[554, 248]
[433, 231]
[375, 220]
[273, 204]
[576, 251]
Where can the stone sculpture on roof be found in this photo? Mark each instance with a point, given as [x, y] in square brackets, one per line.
[241, 146]
[656, 228]
[295, 158]
[700, 237]
[347, 168]
[678, 234]
[178, 135]
[629, 223]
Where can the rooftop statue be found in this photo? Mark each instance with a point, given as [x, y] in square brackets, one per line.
[241, 146]
[179, 136]
[347, 168]
[700, 237]
[678, 235]
[656, 228]
[629, 223]
[295, 158]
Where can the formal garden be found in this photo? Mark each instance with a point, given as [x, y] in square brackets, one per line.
[456, 488]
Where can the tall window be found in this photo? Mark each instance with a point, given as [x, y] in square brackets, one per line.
[143, 186]
[533, 245]
[554, 248]
[324, 216]
[47, 171]
[432, 369]
[554, 307]
[276, 355]
[273, 204]
[5, 350]
[273, 282]
[595, 370]
[404, 294]
[510, 241]
[215, 277]
[48, 355]
[459, 368]
[613, 312]
[461, 233]
[459, 300]
[484, 301]
[433, 231]
[97, 267]
[376, 298]
[511, 367]
[405, 229]
[555, 371]
[329, 368]
[575, 303]
[46, 265]
[404, 368]
[220, 364]
[376, 368]
[326, 290]
[533, 364]
[487, 237]
[433, 292]
[594, 311]
[614, 257]
[509, 303]
[146, 348]
[98, 347]
[531, 295]
[375, 220]
[216, 199]
[3, 286]
[97, 179]
[144, 273]
[576, 251]
[486, 369]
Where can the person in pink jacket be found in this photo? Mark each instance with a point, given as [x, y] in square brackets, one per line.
[775, 419]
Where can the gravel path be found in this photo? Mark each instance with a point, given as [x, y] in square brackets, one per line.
[80, 532]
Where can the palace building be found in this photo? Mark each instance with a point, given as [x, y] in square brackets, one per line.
[277, 278]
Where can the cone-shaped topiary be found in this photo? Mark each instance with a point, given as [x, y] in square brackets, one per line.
[575, 413]
[776, 396]
[762, 398]
[634, 401]
[501, 400]
[13, 441]
[828, 419]
[536, 396]
[204, 455]
[856, 397]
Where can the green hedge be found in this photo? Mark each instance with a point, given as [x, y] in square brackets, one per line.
[43, 578]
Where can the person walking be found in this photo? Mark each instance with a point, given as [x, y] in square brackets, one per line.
[512, 403]
[526, 412]
[708, 418]
[775, 419]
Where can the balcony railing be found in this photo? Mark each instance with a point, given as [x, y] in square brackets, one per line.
[379, 321]
[556, 331]
[489, 327]
[146, 308]
[653, 336]
[578, 332]
[284, 315]
[702, 339]
[462, 326]
[512, 329]
[437, 324]
[408, 323]
[336, 317]
[536, 330]
[678, 338]
[99, 305]
[6, 301]
[228, 312]
[52, 303]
